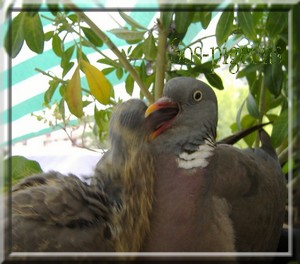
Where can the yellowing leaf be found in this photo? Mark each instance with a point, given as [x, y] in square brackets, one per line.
[73, 94]
[98, 84]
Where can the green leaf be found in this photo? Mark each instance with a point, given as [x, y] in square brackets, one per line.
[67, 67]
[61, 108]
[280, 129]
[167, 19]
[252, 106]
[248, 69]
[92, 37]
[110, 62]
[107, 71]
[183, 21]
[53, 8]
[119, 73]
[246, 122]
[131, 21]
[137, 52]
[129, 84]
[57, 45]
[49, 35]
[273, 78]
[149, 48]
[276, 22]
[33, 32]
[127, 34]
[49, 93]
[214, 80]
[224, 27]
[20, 168]
[204, 17]
[238, 115]
[65, 63]
[14, 37]
[73, 18]
[246, 23]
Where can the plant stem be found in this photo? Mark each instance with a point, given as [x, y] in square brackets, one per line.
[261, 106]
[115, 50]
[161, 59]
[58, 79]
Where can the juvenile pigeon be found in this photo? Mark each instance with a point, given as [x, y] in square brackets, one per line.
[193, 172]
[126, 172]
[54, 212]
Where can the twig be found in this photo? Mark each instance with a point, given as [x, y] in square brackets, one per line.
[115, 50]
[261, 107]
[161, 59]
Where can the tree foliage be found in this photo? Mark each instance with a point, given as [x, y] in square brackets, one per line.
[157, 54]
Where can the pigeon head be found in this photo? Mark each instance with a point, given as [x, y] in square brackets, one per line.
[190, 110]
[129, 126]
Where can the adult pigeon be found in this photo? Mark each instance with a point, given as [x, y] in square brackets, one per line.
[54, 212]
[208, 196]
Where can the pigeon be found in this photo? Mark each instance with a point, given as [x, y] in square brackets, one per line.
[210, 197]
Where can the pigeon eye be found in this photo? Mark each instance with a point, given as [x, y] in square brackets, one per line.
[197, 96]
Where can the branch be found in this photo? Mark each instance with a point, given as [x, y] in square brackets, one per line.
[261, 107]
[116, 51]
[161, 58]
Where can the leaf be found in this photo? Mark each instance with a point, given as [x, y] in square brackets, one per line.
[149, 48]
[276, 22]
[129, 84]
[14, 37]
[246, 23]
[65, 63]
[273, 78]
[205, 18]
[20, 168]
[107, 71]
[127, 34]
[53, 8]
[92, 37]
[167, 19]
[280, 129]
[67, 67]
[224, 27]
[49, 35]
[98, 84]
[61, 108]
[214, 80]
[119, 73]
[238, 115]
[137, 52]
[248, 69]
[33, 32]
[49, 93]
[73, 94]
[183, 21]
[252, 106]
[246, 122]
[131, 21]
[57, 45]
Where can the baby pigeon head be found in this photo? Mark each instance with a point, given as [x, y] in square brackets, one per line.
[128, 125]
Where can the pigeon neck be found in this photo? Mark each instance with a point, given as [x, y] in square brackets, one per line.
[196, 159]
[133, 220]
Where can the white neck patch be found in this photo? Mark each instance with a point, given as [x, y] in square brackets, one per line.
[197, 159]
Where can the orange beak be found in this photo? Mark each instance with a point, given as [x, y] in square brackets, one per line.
[162, 112]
